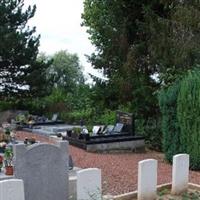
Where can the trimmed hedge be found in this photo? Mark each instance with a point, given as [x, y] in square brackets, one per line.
[180, 108]
[170, 125]
[188, 114]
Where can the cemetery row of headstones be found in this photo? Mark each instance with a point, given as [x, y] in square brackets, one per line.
[147, 177]
[41, 173]
[88, 187]
[43, 168]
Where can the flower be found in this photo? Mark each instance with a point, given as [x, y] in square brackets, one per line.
[3, 144]
[1, 159]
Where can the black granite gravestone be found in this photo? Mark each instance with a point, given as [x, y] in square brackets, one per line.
[127, 120]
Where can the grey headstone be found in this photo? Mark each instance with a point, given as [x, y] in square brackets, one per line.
[118, 128]
[71, 163]
[44, 170]
[108, 129]
[54, 117]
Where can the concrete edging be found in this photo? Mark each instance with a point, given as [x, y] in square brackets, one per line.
[131, 195]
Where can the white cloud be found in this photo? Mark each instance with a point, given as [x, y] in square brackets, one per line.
[58, 22]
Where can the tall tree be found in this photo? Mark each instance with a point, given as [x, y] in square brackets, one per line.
[138, 40]
[174, 40]
[115, 28]
[65, 71]
[20, 73]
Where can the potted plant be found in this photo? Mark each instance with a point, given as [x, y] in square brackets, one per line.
[8, 161]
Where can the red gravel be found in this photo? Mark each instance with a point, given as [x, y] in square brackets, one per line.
[119, 170]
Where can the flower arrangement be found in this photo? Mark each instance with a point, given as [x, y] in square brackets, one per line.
[1, 162]
[8, 157]
[2, 146]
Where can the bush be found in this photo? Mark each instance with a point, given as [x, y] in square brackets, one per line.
[107, 117]
[151, 130]
[188, 114]
[170, 126]
[77, 115]
[180, 107]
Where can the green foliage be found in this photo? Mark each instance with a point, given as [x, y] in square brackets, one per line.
[151, 129]
[170, 125]
[188, 112]
[21, 118]
[8, 157]
[77, 116]
[65, 71]
[180, 107]
[106, 118]
[77, 130]
[115, 30]
[173, 38]
[20, 73]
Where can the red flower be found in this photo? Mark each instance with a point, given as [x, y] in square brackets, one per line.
[1, 159]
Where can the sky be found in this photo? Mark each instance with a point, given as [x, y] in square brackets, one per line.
[58, 23]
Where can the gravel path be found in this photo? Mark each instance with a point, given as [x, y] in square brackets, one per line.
[119, 170]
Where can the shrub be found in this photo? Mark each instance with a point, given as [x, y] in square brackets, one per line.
[77, 115]
[170, 126]
[107, 117]
[151, 130]
[180, 107]
[188, 114]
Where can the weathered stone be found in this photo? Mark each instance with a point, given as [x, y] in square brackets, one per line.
[44, 170]
[180, 173]
[89, 184]
[147, 179]
[11, 189]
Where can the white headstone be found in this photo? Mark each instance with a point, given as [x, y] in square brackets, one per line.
[89, 184]
[147, 179]
[180, 173]
[95, 130]
[12, 189]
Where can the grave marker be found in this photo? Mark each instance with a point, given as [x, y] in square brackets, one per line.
[147, 179]
[44, 170]
[11, 189]
[127, 120]
[89, 184]
[180, 173]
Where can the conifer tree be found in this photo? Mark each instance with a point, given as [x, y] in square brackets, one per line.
[21, 74]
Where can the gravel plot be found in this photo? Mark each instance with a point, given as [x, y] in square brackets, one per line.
[119, 170]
